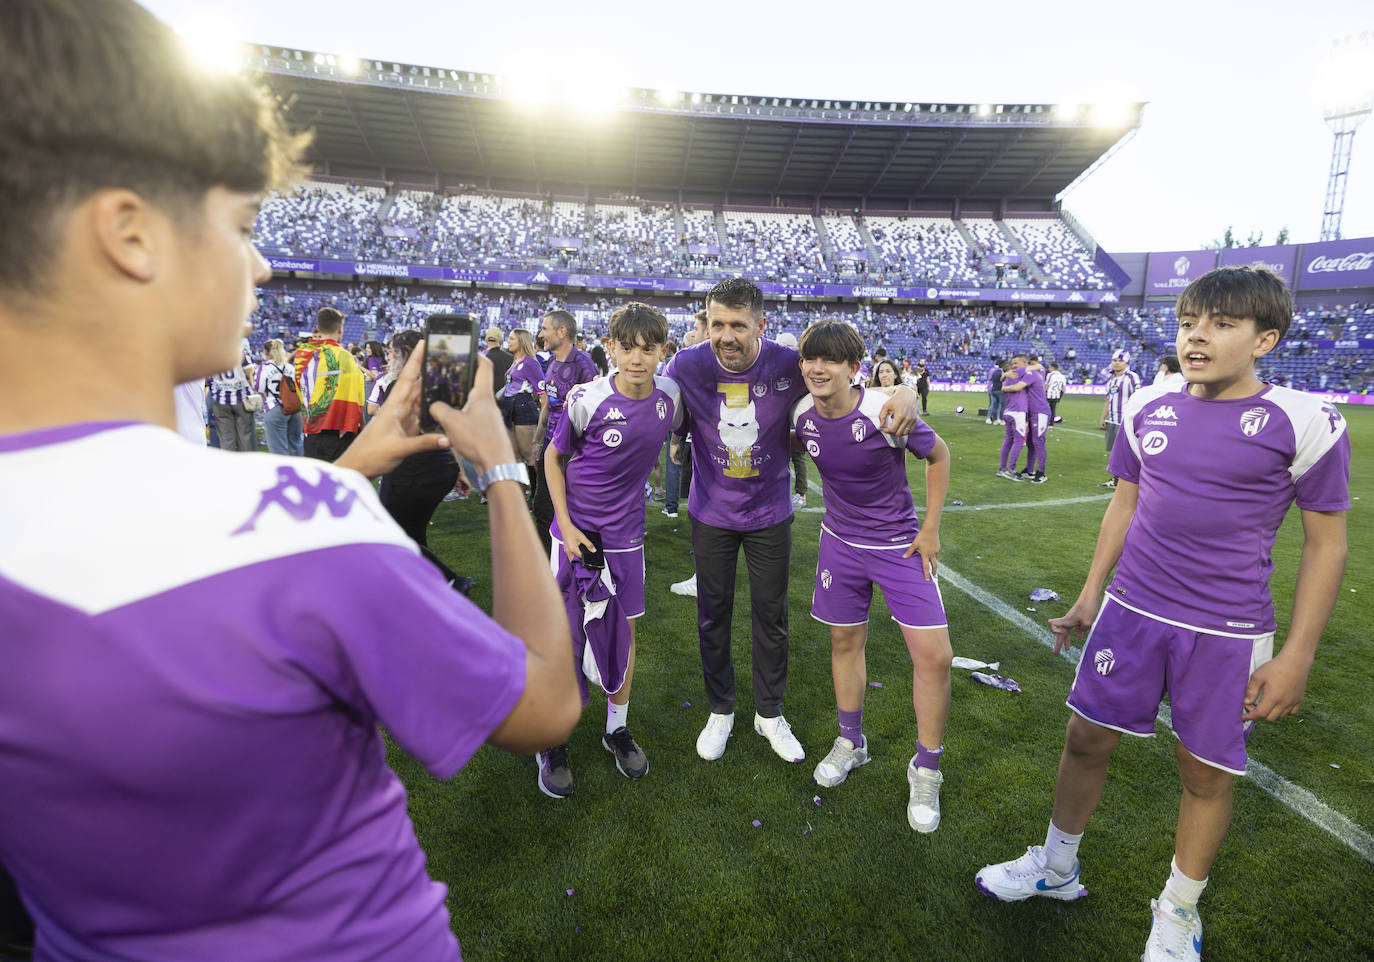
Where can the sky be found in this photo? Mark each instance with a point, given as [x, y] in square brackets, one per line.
[1232, 135]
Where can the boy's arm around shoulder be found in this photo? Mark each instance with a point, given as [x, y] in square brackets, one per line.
[1277, 687]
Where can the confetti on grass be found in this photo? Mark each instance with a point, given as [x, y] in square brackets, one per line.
[571, 891]
[757, 823]
[817, 799]
[875, 684]
[686, 704]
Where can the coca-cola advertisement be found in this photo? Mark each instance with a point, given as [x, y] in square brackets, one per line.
[1278, 258]
[1342, 263]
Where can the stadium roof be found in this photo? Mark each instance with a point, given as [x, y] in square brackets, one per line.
[442, 127]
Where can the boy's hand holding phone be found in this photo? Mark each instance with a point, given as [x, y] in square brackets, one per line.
[477, 432]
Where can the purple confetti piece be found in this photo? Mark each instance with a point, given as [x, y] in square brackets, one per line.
[875, 684]
[686, 704]
[577, 928]
[996, 681]
[957, 502]
[757, 823]
[806, 831]
[571, 891]
[817, 799]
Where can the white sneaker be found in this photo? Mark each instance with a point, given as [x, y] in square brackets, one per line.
[842, 760]
[711, 741]
[688, 587]
[988, 420]
[1021, 878]
[779, 735]
[923, 807]
[1175, 934]
[798, 500]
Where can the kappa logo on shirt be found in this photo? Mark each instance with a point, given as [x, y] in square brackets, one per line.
[1252, 422]
[1333, 416]
[614, 415]
[810, 425]
[301, 500]
[1164, 414]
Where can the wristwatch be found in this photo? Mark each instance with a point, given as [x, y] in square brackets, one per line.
[513, 471]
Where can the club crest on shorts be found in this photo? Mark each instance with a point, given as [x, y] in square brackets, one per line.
[858, 428]
[1104, 661]
[825, 579]
[1253, 421]
[662, 408]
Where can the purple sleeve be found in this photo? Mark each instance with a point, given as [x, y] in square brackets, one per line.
[1124, 463]
[587, 369]
[921, 440]
[432, 667]
[1326, 485]
[565, 436]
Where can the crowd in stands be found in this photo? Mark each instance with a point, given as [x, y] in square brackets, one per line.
[629, 235]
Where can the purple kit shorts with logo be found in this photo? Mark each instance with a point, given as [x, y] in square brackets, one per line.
[845, 575]
[1130, 661]
[627, 571]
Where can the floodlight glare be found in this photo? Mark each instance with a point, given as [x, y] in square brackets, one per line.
[984, 110]
[666, 97]
[211, 45]
[696, 98]
[1066, 111]
[1111, 114]
[349, 64]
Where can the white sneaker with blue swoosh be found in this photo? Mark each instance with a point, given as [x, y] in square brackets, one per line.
[1028, 876]
[1175, 934]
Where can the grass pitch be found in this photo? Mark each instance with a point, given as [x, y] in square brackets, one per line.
[672, 866]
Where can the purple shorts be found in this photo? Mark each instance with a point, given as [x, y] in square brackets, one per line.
[845, 575]
[627, 571]
[1016, 420]
[1130, 661]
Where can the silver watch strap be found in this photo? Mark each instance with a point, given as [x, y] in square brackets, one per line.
[511, 471]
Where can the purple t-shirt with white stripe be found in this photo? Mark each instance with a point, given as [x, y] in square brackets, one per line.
[867, 496]
[189, 705]
[1036, 402]
[612, 444]
[525, 377]
[1017, 400]
[561, 378]
[741, 434]
[1216, 479]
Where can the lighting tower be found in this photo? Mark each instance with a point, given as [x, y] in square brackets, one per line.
[1349, 98]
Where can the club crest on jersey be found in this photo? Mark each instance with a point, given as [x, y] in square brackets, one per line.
[813, 448]
[661, 406]
[825, 579]
[783, 383]
[760, 390]
[612, 438]
[1104, 661]
[1252, 422]
[857, 426]
[301, 500]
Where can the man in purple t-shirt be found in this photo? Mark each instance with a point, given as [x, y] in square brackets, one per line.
[870, 535]
[738, 389]
[568, 367]
[1205, 477]
[606, 444]
[1014, 386]
[189, 717]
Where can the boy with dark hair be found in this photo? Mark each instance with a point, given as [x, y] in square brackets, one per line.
[333, 390]
[189, 746]
[568, 367]
[1188, 611]
[605, 445]
[870, 535]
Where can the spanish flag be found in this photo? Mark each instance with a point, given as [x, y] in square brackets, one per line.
[331, 387]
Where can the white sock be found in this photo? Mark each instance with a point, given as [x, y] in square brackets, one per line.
[1061, 850]
[1182, 890]
[615, 715]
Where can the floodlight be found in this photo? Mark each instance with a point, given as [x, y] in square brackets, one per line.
[984, 110]
[668, 96]
[696, 98]
[1111, 114]
[1064, 112]
[211, 45]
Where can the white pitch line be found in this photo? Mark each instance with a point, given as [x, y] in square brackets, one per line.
[1085, 499]
[1300, 800]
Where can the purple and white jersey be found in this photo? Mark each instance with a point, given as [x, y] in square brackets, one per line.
[559, 380]
[1120, 387]
[1216, 479]
[231, 387]
[867, 496]
[1036, 401]
[380, 387]
[1017, 400]
[741, 434]
[612, 443]
[268, 384]
[189, 705]
[525, 377]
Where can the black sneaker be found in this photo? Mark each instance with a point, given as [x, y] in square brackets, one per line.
[1110, 483]
[555, 777]
[629, 758]
[1039, 478]
[1023, 476]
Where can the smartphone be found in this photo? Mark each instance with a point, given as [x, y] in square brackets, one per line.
[593, 559]
[450, 364]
